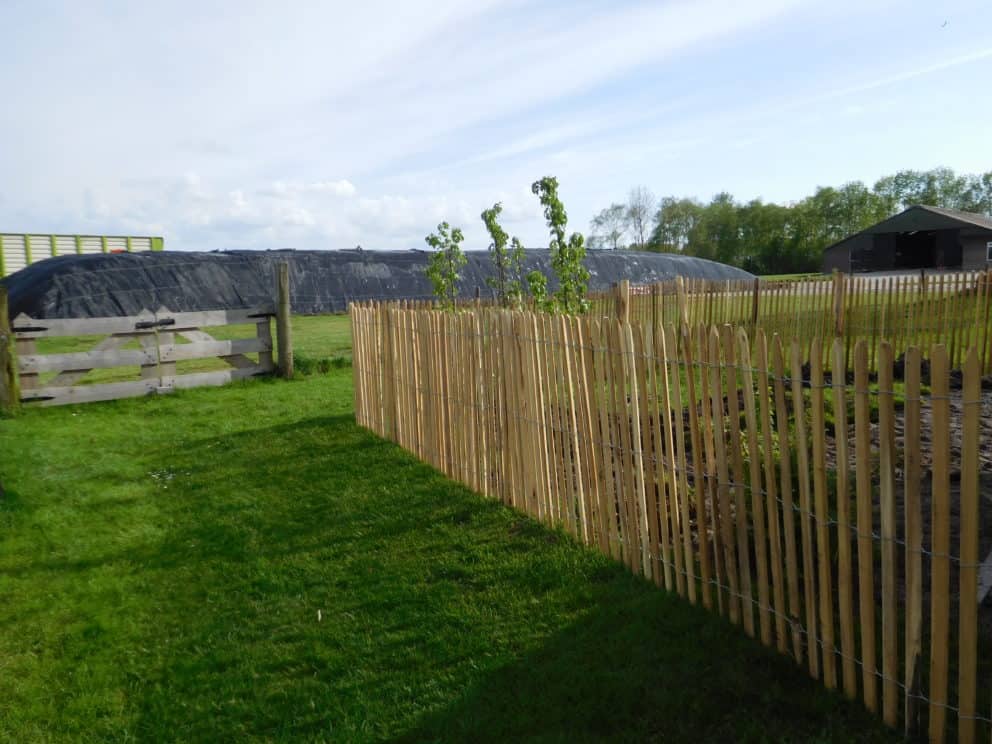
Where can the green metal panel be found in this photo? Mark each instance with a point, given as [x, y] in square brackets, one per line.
[156, 244]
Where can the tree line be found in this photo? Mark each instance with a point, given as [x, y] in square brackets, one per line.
[768, 238]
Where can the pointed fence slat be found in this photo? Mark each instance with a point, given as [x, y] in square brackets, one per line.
[843, 507]
[913, 531]
[940, 543]
[968, 572]
[805, 514]
[771, 488]
[865, 519]
[788, 502]
[757, 502]
[887, 500]
[737, 490]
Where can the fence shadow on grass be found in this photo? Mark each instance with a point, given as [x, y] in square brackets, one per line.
[644, 666]
[638, 665]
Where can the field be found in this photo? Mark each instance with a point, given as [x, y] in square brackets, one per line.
[246, 563]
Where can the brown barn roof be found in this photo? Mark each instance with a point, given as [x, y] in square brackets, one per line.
[979, 220]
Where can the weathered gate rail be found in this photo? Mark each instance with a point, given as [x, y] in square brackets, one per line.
[163, 338]
[159, 349]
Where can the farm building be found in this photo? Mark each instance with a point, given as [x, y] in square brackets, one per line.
[921, 237]
[321, 281]
[18, 250]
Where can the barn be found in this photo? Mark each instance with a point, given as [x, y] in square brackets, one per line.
[921, 237]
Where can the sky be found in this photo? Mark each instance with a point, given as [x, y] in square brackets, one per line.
[323, 125]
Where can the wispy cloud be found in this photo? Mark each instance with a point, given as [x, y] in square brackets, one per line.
[892, 79]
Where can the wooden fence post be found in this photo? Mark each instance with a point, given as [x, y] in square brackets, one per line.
[838, 304]
[755, 296]
[683, 305]
[10, 394]
[623, 301]
[283, 323]
[655, 302]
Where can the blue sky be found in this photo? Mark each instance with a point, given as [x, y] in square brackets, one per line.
[326, 125]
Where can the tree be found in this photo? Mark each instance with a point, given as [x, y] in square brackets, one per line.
[858, 207]
[508, 265]
[609, 227]
[940, 187]
[566, 255]
[674, 223]
[978, 195]
[716, 235]
[640, 210]
[763, 235]
[445, 263]
[537, 285]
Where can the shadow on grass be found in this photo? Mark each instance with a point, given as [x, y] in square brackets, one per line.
[643, 666]
[313, 582]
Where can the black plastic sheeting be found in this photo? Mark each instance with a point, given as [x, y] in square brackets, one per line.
[103, 285]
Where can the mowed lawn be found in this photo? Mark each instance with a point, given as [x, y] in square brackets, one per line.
[245, 564]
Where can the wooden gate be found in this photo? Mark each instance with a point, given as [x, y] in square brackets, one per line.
[163, 339]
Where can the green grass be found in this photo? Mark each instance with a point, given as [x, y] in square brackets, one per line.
[790, 277]
[245, 563]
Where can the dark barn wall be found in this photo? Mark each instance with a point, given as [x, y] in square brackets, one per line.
[864, 252]
[974, 249]
[883, 255]
[838, 257]
[948, 254]
[942, 249]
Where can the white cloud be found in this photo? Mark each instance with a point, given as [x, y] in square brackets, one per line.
[337, 188]
[294, 189]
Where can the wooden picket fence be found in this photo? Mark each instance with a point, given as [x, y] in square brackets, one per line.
[834, 517]
[953, 309]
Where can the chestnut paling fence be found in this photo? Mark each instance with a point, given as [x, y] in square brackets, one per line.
[952, 308]
[834, 517]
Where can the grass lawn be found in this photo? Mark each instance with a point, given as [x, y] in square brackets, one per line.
[790, 277]
[244, 563]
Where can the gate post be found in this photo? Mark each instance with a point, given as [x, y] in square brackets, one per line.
[283, 325]
[10, 392]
